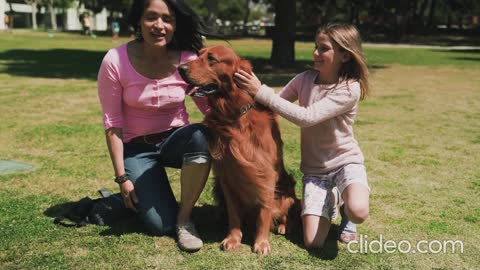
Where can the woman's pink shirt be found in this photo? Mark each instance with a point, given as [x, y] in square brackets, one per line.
[140, 105]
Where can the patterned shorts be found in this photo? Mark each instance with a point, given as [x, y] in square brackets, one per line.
[318, 198]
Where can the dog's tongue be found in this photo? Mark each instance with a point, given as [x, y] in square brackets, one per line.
[189, 89]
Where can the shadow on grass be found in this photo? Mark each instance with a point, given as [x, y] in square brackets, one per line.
[279, 77]
[466, 58]
[328, 252]
[84, 64]
[66, 214]
[208, 219]
[55, 63]
[472, 54]
[469, 51]
[211, 223]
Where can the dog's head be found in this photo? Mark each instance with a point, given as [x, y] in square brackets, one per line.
[212, 72]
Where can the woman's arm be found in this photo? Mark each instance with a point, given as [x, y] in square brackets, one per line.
[110, 95]
[115, 147]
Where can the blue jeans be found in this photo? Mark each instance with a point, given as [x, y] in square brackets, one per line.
[145, 166]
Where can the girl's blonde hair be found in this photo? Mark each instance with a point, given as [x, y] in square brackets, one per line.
[348, 38]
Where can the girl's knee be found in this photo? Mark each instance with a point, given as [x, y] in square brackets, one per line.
[311, 243]
[356, 197]
[358, 213]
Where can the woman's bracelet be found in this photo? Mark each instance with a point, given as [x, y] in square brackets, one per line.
[121, 179]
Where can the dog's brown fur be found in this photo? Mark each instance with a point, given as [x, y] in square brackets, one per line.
[246, 149]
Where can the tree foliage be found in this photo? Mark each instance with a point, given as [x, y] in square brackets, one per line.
[96, 6]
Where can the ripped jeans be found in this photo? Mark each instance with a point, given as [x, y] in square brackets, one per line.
[145, 166]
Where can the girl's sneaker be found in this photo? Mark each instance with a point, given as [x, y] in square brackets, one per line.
[348, 229]
[336, 204]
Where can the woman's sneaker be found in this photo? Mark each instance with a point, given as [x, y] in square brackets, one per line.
[188, 238]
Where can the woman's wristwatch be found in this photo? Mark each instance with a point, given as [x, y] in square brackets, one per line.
[121, 179]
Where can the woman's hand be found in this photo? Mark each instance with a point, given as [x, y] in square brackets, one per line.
[248, 82]
[127, 190]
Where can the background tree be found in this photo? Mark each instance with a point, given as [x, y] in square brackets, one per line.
[283, 39]
[246, 17]
[34, 5]
[211, 18]
[235, 12]
[52, 5]
[11, 15]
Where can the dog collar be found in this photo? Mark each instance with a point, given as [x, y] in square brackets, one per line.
[245, 109]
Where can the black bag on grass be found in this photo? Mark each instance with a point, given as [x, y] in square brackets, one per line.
[103, 211]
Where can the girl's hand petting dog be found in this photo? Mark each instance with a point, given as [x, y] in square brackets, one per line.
[248, 82]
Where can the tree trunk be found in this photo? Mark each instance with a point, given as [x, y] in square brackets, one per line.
[11, 17]
[401, 14]
[53, 17]
[283, 42]
[421, 13]
[212, 7]
[352, 12]
[431, 14]
[447, 15]
[34, 15]
[245, 19]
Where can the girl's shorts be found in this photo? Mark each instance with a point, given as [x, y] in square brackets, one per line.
[318, 198]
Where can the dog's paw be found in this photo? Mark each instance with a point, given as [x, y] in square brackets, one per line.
[262, 247]
[281, 229]
[231, 243]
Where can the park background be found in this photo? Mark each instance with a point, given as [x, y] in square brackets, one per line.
[419, 131]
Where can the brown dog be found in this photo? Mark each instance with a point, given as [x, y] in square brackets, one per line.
[246, 148]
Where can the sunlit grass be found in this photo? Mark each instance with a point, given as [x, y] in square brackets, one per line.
[418, 131]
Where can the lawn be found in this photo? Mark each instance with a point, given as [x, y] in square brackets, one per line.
[419, 131]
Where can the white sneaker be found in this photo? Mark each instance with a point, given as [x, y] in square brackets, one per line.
[336, 203]
[188, 238]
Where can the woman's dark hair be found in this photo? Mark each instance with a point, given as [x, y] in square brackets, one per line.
[189, 26]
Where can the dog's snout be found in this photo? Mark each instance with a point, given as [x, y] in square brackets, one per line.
[182, 69]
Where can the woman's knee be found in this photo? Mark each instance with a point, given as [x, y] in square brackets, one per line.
[158, 225]
[197, 149]
[199, 138]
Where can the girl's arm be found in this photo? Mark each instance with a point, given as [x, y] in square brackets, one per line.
[250, 83]
[337, 101]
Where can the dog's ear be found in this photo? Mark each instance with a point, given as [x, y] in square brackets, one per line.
[245, 65]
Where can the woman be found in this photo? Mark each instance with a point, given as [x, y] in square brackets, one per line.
[146, 122]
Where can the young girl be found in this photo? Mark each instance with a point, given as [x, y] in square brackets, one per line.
[328, 99]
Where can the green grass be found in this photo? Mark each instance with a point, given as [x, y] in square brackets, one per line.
[419, 131]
